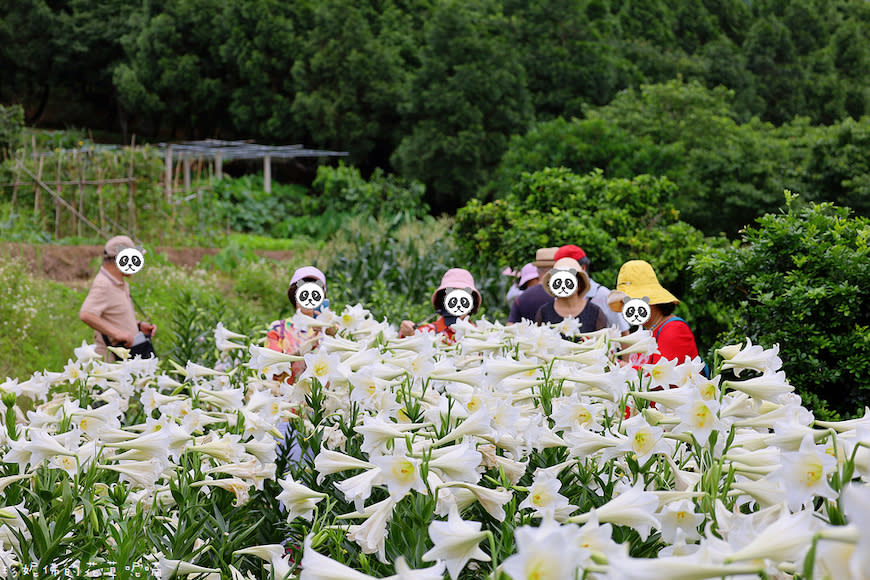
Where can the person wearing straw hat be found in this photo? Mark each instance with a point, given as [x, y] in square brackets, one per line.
[638, 280]
[456, 298]
[568, 284]
[526, 306]
[108, 308]
[307, 294]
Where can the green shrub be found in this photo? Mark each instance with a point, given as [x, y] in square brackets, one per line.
[799, 279]
[613, 220]
[11, 125]
[39, 324]
[392, 268]
[343, 190]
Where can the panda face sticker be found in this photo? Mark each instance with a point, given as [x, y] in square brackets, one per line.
[458, 302]
[563, 283]
[636, 311]
[309, 295]
[129, 260]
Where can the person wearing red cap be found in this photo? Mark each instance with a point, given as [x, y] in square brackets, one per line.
[454, 279]
[597, 293]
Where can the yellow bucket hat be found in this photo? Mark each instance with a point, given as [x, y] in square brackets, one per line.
[638, 279]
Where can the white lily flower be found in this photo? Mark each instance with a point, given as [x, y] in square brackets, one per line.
[371, 535]
[298, 499]
[634, 508]
[174, 568]
[86, 352]
[549, 552]
[856, 505]
[400, 473]
[328, 462]
[223, 337]
[457, 463]
[769, 386]
[804, 473]
[403, 572]
[492, 500]
[358, 488]
[751, 357]
[318, 567]
[142, 473]
[680, 515]
[544, 498]
[455, 542]
[692, 567]
[226, 448]
[787, 539]
[239, 487]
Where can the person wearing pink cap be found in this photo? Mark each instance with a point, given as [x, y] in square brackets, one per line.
[108, 308]
[283, 335]
[597, 294]
[453, 280]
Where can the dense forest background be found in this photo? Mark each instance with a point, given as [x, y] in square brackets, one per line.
[434, 89]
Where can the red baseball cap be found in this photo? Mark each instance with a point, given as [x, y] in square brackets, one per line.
[570, 251]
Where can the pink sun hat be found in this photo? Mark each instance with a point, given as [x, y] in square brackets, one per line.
[457, 278]
[308, 272]
[528, 273]
[508, 272]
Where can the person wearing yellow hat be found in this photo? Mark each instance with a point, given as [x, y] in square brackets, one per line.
[638, 280]
[568, 284]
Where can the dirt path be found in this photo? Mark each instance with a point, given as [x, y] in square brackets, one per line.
[71, 265]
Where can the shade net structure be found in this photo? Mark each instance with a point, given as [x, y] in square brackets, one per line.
[219, 151]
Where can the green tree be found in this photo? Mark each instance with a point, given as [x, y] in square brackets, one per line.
[463, 104]
[350, 75]
[28, 52]
[172, 72]
[771, 56]
[567, 62]
[258, 53]
[799, 279]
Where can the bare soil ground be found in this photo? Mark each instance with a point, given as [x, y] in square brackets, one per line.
[72, 265]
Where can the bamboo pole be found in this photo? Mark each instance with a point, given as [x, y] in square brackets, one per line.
[100, 198]
[131, 189]
[17, 177]
[82, 197]
[75, 221]
[36, 189]
[58, 198]
[45, 186]
[187, 175]
[168, 177]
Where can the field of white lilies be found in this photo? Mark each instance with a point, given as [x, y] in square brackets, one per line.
[512, 454]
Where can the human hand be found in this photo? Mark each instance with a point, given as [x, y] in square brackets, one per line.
[148, 329]
[126, 339]
[407, 328]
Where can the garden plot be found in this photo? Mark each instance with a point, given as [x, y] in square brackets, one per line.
[512, 454]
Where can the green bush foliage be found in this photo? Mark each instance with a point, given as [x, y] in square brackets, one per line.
[11, 125]
[393, 268]
[343, 190]
[726, 171]
[613, 220]
[799, 279]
